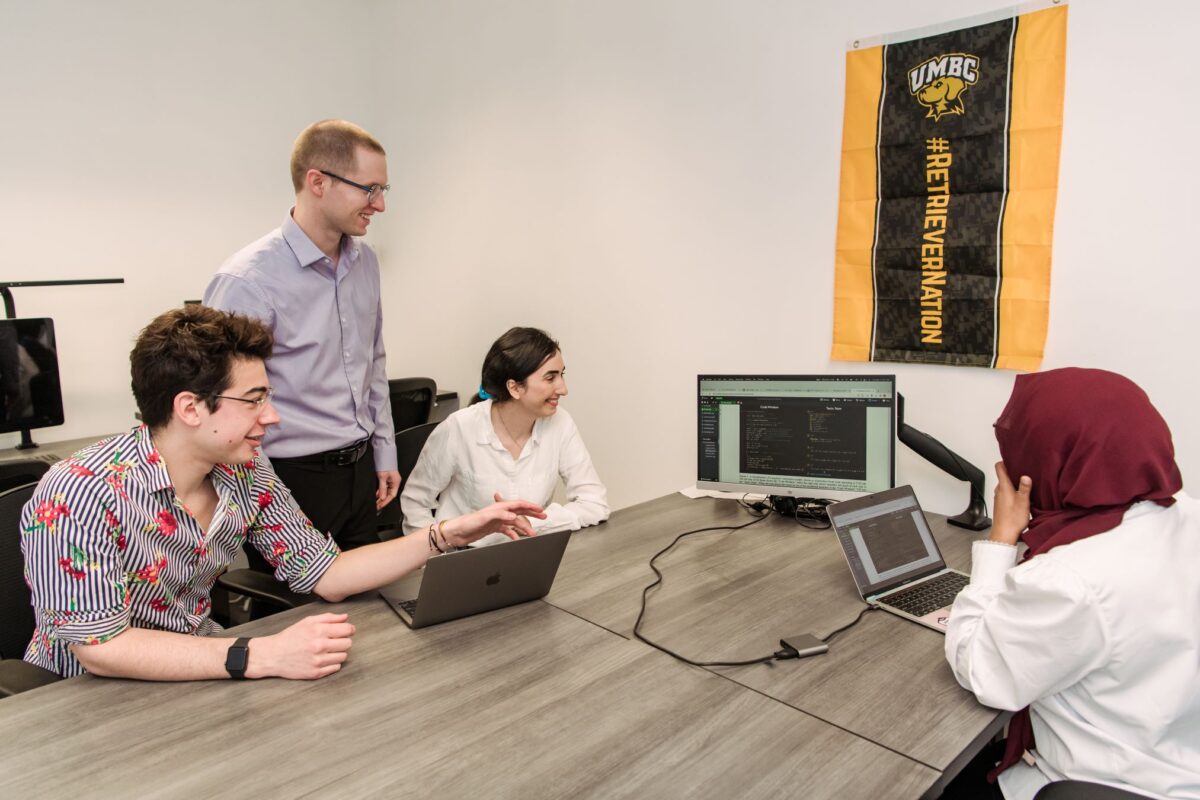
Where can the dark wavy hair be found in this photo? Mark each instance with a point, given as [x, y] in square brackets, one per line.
[191, 349]
[514, 357]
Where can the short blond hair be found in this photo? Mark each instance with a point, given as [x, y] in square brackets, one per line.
[329, 145]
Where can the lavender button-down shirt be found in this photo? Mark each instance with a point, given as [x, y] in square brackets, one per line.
[328, 368]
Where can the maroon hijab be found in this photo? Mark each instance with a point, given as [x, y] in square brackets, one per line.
[1093, 445]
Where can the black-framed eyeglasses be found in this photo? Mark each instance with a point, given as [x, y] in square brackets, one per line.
[374, 191]
[255, 401]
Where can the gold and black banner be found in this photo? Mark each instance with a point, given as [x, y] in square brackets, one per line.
[950, 152]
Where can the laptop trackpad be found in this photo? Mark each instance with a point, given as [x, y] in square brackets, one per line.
[940, 618]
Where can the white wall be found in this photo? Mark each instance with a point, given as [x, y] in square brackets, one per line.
[150, 140]
[654, 182]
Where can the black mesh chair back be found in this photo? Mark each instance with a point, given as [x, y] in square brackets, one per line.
[19, 473]
[409, 443]
[1084, 790]
[412, 402]
[16, 613]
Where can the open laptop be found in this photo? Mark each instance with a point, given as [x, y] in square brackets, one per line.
[479, 579]
[893, 557]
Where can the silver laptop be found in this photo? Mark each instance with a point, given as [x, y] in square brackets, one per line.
[479, 579]
[893, 557]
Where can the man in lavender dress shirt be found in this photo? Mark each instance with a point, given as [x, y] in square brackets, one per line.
[316, 286]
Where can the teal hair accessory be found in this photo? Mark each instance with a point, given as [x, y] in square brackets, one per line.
[483, 393]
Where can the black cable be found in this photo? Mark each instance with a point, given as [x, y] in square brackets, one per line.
[758, 507]
[761, 510]
[801, 509]
[849, 625]
[778, 655]
[814, 508]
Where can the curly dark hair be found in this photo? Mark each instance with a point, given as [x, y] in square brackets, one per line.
[191, 349]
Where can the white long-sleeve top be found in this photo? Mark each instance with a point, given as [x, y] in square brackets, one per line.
[465, 463]
[1101, 638]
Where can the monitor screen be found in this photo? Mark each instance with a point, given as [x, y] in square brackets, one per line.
[30, 392]
[828, 436]
[886, 539]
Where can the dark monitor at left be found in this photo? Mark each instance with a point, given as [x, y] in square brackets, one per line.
[30, 386]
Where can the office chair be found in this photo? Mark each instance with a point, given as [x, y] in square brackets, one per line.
[19, 473]
[412, 398]
[263, 589]
[16, 612]
[1084, 790]
[412, 401]
[409, 443]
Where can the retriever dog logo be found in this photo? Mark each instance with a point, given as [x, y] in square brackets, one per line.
[939, 83]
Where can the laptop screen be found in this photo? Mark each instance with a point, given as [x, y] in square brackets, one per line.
[886, 539]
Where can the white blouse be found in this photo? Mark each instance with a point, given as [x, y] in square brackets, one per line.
[1101, 638]
[465, 463]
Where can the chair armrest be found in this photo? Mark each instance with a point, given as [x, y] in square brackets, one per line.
[18, 676]
[260, 586]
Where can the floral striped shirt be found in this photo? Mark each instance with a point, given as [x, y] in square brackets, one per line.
[109, 545]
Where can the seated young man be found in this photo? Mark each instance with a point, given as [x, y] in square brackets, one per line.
[124, 540]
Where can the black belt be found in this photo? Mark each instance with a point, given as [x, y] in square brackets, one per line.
[331, 458]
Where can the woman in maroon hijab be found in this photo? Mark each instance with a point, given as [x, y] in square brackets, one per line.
[1095, 636]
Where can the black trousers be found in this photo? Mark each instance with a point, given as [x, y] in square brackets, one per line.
[338, 499]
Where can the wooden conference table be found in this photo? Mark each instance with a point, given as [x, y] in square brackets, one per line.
[552, 698]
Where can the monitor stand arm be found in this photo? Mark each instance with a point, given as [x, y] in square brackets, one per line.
[975, 517]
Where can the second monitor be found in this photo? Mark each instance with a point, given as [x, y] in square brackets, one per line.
[828, 436]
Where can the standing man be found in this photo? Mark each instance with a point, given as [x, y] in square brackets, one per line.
[316, 287]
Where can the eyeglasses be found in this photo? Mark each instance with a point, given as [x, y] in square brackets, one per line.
[257, 401]
[374, 192]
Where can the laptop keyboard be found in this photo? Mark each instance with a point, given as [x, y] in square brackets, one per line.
[410, 606]
[928, 596]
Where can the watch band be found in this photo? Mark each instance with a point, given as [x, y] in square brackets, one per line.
[237, 657]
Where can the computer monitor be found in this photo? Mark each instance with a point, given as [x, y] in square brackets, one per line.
[826, 436]
[30, 391]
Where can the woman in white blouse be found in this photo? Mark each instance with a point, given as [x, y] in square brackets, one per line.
[517, 442]
[1095, 634]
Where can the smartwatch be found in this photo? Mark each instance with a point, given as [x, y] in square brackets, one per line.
[237, 657]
